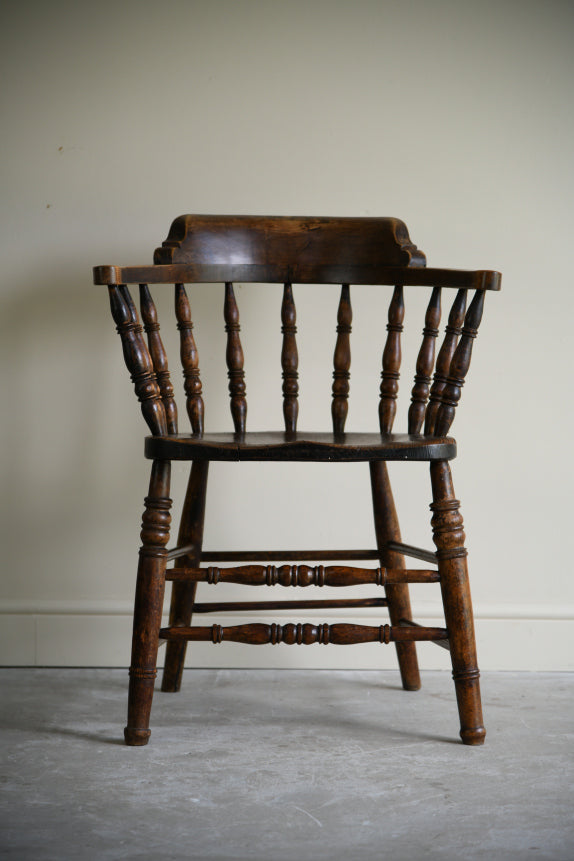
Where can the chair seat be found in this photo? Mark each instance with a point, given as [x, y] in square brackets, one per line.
[300, 446]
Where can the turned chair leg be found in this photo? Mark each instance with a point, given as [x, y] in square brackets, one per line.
[387, 529]
[183, 594]
[448, 535]
[150, 587]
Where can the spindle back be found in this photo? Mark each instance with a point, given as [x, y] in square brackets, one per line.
[306, 250]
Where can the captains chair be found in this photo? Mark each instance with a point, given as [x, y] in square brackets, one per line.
[303, 251]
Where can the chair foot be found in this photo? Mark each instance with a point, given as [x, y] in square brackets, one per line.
[473, 736]
[467, 686]
[136, 737]
[173, 667]
[137, 731]
[409, 667]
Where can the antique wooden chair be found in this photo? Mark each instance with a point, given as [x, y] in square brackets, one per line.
[281, 250]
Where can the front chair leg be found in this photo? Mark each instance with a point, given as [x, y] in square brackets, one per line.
[448, 535]
[387, 529]
[150, 588]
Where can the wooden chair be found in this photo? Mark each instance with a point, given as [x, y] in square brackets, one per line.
[344, 251]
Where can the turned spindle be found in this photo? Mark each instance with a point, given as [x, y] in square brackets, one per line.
[158, 356]
[452, 333]
[289, 360]
[305, 634]
[391, 362]
[342, 362]
[234, 358]
[302, 575]
[425, 363]
[189, 360]
[459, 365]
[137, 358]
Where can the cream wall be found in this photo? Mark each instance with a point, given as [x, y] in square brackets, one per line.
[116, 117]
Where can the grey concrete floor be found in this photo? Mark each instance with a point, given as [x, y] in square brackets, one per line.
[283, 765]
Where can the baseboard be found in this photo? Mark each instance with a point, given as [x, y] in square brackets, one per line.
[98, 634]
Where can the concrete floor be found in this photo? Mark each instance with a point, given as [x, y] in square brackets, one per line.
[285, 765]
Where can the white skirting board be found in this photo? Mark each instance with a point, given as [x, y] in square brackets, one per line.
[98, 634]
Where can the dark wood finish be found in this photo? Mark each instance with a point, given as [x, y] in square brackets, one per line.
[323, 604]
[302, 575]
[459, 365]
[158, 357]
[137, 358]
[358, 251]
[256, 238]
[234, 357]
[342, 634]
[300, 447]
[148, 603]
[180, 550]
[342, 362]
[444, 358]
[411, 550]
[189, 360]
[425, 364]
[408, 623]
[391, 362]
[183, 592]
[289, 360]
[298, 273]
[397, 592]
[448, 535]
[286, 555]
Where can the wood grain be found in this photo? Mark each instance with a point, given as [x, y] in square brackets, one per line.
[444, 358]
[158, 356]
[234, 358]
[342, 362]
[342, 634]
[189, 360]
[279, 446]
[302, 575]
[288, 250]
[459, 366]
[391, 362]
[448, 535]
[289, 360]
[425, 364]
[298, 273]
[137, 358]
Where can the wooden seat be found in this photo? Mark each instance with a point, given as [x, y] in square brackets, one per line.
[306, 251]
[279, 445]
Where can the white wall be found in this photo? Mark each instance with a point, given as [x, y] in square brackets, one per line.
[116, 117]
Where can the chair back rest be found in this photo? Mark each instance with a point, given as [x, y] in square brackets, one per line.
[285, 250]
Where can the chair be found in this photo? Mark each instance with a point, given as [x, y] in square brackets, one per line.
[288, 250]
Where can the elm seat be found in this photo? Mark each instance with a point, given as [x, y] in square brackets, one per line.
[348, 252]
[298, 446]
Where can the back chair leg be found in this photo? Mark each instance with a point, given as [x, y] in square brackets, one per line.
[448, 534]
[183, 594]
[150, 588]
[387, 529]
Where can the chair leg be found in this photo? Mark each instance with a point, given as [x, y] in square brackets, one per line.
[449, 537]
[387, 529]
[183, 594]
[148, 603]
